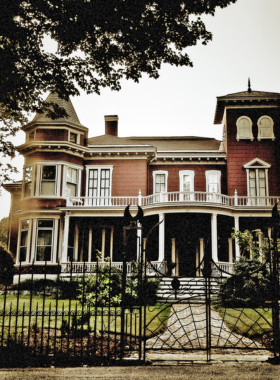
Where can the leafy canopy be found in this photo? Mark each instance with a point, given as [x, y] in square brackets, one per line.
[99, 42]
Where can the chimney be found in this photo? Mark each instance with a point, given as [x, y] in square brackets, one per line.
[111, 125]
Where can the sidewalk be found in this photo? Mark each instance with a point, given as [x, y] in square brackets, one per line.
[232, 371]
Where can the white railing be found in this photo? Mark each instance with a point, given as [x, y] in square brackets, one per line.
[225, 266]
[174, 197]
[81, 267]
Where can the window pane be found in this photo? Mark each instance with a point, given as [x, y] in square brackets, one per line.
[265, 125]
[48, 172]
[25, 224]
[244, 128]
[72, 175]
[43, 254]
[72, 188]
[43, 223]
[48, 188]
[44, 237]
[23, 238]
[187, 183]
[22, 254]
[73, 137]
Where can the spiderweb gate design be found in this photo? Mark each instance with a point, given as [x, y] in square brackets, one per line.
[194, 318]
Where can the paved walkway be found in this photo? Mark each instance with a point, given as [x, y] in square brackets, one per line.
[186, 330]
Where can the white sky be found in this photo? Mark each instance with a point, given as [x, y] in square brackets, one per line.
[182, 101]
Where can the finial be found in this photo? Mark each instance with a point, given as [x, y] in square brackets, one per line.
[249, 85]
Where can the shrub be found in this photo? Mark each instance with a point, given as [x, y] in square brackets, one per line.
[249, 285]
[6, 266]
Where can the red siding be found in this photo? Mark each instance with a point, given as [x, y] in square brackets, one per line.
[51, 135]
[243, 151]
[199, 178]
[128, 176]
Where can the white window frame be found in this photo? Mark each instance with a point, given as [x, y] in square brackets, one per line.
[32, 182]
[75, 133]
[28, 240]
[185, 196]
[250, 134]
[160, 172]
[213, 196]
[271, 137]
[78, 183]
[256, 164]
[56, 181]
[53, 240]
[100, 202]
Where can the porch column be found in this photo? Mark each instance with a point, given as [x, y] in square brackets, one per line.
[197, 259]
[103, 243]
[64, 257]
[236, 226]
[111, 242]
[173, 255]
[230, 256]
[76, 242]
[89, 244]
[139, 242]
[214, 238]
[201, 250]
[161, 238]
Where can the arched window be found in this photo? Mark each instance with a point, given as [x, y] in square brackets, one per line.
[265, 128]
[244, 128]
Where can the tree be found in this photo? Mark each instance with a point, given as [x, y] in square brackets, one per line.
[6, 266]
[99, 42]
[4, 228]
[250, 284]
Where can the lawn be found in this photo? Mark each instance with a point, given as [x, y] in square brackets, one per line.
[247, 321]
[63, 313]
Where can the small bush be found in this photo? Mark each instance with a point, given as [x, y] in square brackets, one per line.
[6, 266]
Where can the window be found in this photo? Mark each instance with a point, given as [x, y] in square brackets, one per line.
[72, 181]
[48, 180]
[44, 239]
[31, 136]
[100, 185]
[186, 184]
[265, 128]
[213, 185]
[160, 181]
[257, 181]
[244, 128]
[73, 137]
[23, 245]
[27, 179]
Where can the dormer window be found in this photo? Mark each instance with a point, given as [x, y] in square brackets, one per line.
[244, 128]
[265, 128]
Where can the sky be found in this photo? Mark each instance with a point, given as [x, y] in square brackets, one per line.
[181, 102]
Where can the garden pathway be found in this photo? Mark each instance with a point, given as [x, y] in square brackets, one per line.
[186, 329]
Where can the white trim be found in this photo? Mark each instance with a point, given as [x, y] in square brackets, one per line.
[99, 168]
[250, 135]
[160, 172]
[252, 164]
[271, 137]
[213, 172]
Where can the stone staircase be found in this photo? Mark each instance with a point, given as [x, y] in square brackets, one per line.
[188, 288]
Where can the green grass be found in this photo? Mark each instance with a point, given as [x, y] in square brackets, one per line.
[102, 319]
[247, 321]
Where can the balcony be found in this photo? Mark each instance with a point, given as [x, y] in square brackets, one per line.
[184, 198]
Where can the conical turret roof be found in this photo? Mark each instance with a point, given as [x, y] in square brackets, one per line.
[66, 104]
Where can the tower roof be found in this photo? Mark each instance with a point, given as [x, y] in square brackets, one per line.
[244, 98]
[66, 104]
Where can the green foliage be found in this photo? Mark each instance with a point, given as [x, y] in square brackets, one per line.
[104, 286]
[250, 284]
[4, 227]
[65, 289]
[6, 266]
[99, 42]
